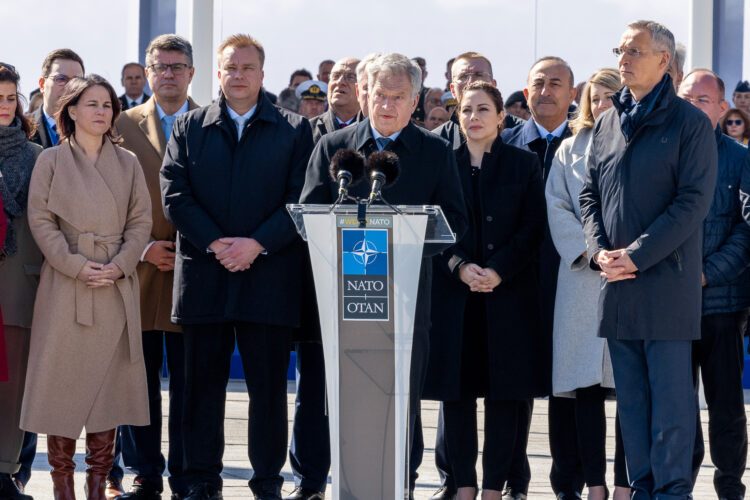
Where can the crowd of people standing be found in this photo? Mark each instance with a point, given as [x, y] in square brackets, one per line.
[602, 253]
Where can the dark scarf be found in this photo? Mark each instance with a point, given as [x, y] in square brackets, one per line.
[633, 114]
[16, 163]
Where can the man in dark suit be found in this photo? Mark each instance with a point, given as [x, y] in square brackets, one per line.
[309, 452]
[229, 170]
[428, 176]
[57, 69]
[145, 131]
[133, 79]
[550, 90]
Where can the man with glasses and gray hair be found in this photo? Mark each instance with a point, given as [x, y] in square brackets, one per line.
[145, 130]
[649, 185]
[428, 176]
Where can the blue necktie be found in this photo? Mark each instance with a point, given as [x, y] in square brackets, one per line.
[166, 125]
[383, 142]
[53, 136]
[550, 138]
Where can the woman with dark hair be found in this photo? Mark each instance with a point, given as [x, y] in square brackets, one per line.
[736, 124]
[486, 297]
[20, 261]
[581, 367]
[90, 214]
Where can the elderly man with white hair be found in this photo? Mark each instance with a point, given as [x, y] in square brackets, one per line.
[429, 176]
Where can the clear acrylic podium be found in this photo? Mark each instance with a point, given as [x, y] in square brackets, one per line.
[366, 276]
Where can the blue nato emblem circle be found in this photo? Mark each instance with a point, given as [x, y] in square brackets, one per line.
[365, 252]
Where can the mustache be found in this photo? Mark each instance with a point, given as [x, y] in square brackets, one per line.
[546, 100]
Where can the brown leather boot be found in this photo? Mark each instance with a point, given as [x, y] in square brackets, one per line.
[100, 453]
[60, 451]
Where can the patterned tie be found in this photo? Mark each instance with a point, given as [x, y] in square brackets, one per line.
[166, 125]
[383, 142]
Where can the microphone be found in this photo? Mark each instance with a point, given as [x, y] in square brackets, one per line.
[382, 170]
[347, 168]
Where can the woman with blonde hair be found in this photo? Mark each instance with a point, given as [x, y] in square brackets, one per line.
[90, 213]
[581, 367]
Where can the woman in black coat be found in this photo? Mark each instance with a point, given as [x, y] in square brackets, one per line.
[486, 297]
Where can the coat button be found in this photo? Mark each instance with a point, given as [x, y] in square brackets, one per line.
[489, 218]
[490, 246]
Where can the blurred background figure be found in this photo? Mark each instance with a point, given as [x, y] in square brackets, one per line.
[134, 81]
[735, 124]
[312, 96]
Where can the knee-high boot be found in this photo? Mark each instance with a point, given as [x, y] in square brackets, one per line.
[60, 451]
[100, 453]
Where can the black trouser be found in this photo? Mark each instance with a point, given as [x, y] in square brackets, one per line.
[720, 355]
[566, 474]
[500, 430]
[141, 446]
[265, 357]
[442, 462]
[520, 471]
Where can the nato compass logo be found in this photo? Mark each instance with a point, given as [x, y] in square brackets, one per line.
[365, 274]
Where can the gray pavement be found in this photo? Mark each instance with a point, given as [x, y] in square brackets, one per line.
[237, 467]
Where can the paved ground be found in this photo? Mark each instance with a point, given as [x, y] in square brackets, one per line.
[237, 467]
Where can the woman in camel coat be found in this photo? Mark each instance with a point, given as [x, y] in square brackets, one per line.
[90, 213]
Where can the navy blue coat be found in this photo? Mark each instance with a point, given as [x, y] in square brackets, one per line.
[214, 185]
[726, 236]
[650, 195]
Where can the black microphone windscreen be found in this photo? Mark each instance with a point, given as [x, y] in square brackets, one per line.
[350, 160]
[385, 162]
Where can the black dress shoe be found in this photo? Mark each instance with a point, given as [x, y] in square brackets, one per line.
[142, 490]
[569, 496]
[444, 493]
[511, 494]
[301, 493]
[204, 491]
[9, 490]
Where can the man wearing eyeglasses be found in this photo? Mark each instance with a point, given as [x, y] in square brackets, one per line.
[726, 297]
[145, 131]
[649, 185]
[58, 67]
[310, 450]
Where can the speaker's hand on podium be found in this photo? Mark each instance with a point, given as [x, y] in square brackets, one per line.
[239, 254]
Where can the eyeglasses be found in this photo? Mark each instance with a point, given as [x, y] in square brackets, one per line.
[701, 100]
[177, 68]
[349, 77]
[630, 51]
[60, 80]
[475, 75]
[734, 122]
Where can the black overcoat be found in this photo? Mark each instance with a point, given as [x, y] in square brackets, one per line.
[215, 186]
[650, 195]
[513, 218]
[428, 177]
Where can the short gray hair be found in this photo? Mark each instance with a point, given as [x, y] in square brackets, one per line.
[680, 52]
[396, 64]
[362, 66]
[169, 42]
[661, 37]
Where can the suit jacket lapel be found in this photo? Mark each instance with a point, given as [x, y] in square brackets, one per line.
[151, 127]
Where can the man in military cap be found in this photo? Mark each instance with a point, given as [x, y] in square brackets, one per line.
[741, 96]
[312, 96]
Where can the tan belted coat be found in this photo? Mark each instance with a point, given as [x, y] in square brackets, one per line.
[141, 132]
[86, 364]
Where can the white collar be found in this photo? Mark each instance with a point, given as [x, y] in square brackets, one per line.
[50, 121]
[558, 132]
[138, 100]
[180, 111]
[245, 116]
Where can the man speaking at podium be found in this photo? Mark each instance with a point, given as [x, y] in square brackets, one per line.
[428, 176]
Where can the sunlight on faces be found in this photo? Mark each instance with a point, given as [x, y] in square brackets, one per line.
[466, 71]
[437, 117]
[549, 91]
[733, 130]
[391, 103]
[478, 116]
[168, 85]
[341, 90]
[600, 99]
[310, 108]
[93, 113]
[52, 91]
[702, 91]
[641, 73]
[8, 103]
[240, 76]
[741, 100]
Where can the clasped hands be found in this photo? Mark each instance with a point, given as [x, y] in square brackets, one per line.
[236, 254]
[479, 279]
[616, 265]
[97, 275]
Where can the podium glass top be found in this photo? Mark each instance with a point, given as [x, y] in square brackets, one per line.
[438, 230]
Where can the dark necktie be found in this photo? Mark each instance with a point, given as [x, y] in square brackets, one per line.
[549, 152]
[383, 142]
